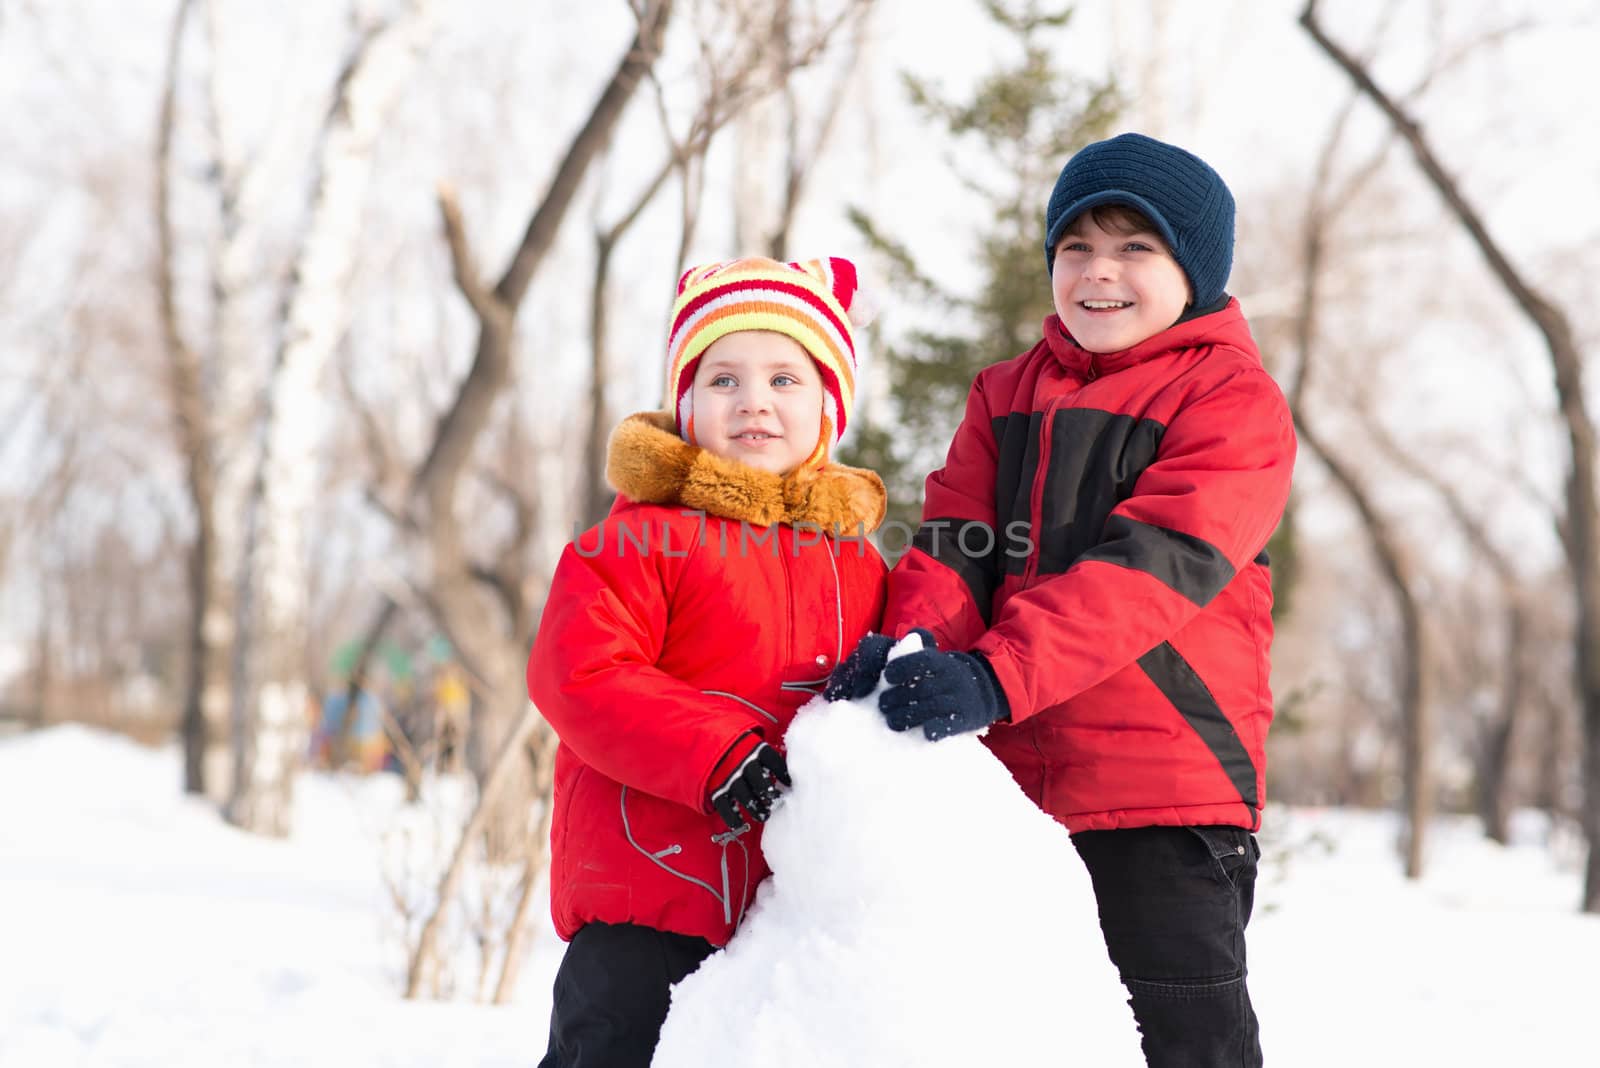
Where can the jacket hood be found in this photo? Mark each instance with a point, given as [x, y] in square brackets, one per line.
[1226, 326]
[647, 461]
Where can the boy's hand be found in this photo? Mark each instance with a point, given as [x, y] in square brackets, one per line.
[753, 786]
[943, 693]
[857, 674]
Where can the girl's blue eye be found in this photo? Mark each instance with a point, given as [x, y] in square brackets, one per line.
[785, 380]
[722, 380]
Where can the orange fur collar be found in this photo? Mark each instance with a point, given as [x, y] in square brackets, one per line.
[647, 461]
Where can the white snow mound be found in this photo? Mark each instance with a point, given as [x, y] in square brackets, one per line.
[922, 911]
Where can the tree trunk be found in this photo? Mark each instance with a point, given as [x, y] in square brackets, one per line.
[741, 97]
[488, 613]
[43, 667]
[1416, 728]
[754, 166]
[490, 650]
[1494, 764]
[597, 495]
[1579, 525]
[270, 693]
[1413, 706]
[773, 136]
[231, 387]
[193, 430]
[1548, 789]
[1496, 746]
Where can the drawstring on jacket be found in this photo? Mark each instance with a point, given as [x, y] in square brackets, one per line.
[724, 839]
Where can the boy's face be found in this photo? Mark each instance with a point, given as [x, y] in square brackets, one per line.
[758, 400]
[1114, 290]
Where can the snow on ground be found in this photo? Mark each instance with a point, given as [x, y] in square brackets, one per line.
[137, 929]
[1485, 961]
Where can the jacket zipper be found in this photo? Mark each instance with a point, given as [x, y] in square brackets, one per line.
[828, 546]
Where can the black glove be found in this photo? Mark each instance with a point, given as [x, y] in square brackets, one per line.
[857, 674]
[943, 693]
[754, 785]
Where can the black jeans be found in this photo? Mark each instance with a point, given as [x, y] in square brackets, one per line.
[612, 992]
[1174, 902]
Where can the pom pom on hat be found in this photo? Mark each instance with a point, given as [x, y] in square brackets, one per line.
[815, 302]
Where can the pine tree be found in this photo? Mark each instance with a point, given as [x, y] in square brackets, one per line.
[1024, 121]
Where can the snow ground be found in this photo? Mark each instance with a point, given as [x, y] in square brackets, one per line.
[138, 929]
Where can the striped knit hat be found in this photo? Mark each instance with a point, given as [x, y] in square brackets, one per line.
[809, 301]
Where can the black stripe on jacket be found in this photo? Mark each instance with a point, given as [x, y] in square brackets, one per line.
[1095, 459]
[1188, 565]
[1182, 685]
[1016, 439]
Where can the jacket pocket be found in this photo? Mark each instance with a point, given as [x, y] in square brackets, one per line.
[660, 855]
[1230, 849]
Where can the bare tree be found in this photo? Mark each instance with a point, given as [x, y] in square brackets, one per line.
[767, 54]
[228, 374]
[766, 222]
[486, 614]
[1498, 734]
[456, 585]
[1324, 205]
[76, 454]
[1580, 537]
[269, 691]
[191, 425]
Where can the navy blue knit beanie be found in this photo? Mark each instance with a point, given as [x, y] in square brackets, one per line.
[1186, 199]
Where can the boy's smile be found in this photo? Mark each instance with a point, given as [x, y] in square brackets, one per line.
[758, 400]
[1114, 290]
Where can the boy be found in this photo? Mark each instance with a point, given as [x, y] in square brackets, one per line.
[1091, 566]
[683, 632]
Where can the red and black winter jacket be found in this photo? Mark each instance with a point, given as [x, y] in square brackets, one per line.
[679, 633]
[1098, 533]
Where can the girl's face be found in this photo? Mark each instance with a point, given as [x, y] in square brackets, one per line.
[758, 400]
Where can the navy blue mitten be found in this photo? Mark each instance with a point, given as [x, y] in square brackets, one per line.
[857, 674]
[943, 693]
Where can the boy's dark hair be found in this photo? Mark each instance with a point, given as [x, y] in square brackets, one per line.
[1124, 219]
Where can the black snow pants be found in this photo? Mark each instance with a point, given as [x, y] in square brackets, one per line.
[611, 994]
[1173, 903]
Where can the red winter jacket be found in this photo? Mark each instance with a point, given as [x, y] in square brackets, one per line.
[677, 635]
[1098, 533]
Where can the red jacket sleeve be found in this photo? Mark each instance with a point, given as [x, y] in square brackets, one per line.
[593, 676]
[1202, 510]
[946, 580]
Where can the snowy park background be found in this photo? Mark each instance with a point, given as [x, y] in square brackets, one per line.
[313, 317]
[139, 930]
